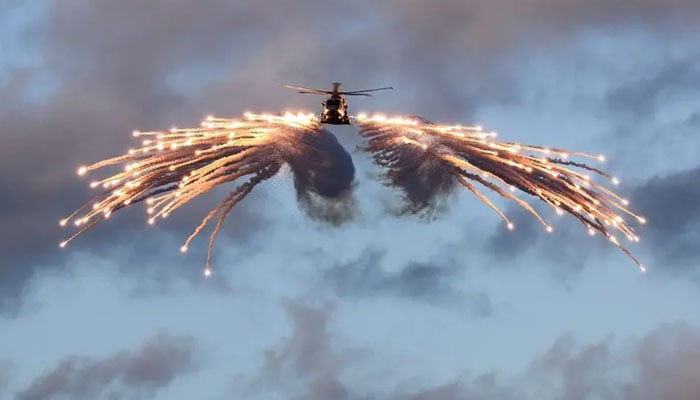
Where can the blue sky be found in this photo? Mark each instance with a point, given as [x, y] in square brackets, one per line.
[382, 307]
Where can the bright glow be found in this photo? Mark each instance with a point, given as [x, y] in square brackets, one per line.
[174, 167]
[473, 156]
[166, 172]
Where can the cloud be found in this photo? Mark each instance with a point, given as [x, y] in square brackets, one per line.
[640, 98]
[306, 362]
[6, 376]
[694, 119]
[670, 204]
[126, 375]
[310, 364]
[560, 252]
[367, 276]
[657, 366]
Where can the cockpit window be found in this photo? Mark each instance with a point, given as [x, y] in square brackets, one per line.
[332, 104]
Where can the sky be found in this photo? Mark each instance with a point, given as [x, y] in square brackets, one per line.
[382, 306]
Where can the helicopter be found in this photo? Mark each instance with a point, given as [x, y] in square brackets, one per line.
[335, 108]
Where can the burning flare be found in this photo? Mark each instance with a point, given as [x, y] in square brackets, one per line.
[426, 160]
[172, 168]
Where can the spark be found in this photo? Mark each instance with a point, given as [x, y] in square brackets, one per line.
[174, 167]
[464, 155]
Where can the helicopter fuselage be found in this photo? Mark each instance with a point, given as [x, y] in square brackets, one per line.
[335, 108]
[335, 111]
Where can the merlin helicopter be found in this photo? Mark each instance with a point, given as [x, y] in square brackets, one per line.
[335, 108]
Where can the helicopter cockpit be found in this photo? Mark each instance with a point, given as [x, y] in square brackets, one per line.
[332, 104]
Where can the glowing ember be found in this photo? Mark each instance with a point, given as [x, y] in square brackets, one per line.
[421, 156]
[172, 168]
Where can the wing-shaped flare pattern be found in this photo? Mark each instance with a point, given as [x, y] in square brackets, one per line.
[172, 168]
[426, 160]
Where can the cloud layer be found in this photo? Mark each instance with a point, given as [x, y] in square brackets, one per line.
[135, 374]
[80, 76]
[313, 364]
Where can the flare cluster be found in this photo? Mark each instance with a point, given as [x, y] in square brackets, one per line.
[423, 159]
[172, 168]
[426, 160]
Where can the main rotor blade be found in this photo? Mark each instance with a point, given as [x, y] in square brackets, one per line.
[355, 94]
[302, 89]
[368, 90]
